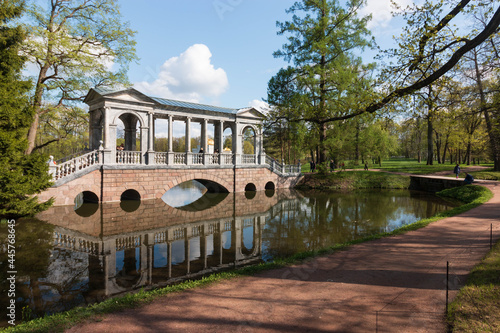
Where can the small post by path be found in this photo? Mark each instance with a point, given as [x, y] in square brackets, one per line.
[447, 273]
[491, 236]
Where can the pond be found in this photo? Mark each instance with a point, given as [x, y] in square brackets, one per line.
[67, 257]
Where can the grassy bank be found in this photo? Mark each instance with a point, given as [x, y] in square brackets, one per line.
[413, 167]
[471, 195]
[476, 307]
[349, 180]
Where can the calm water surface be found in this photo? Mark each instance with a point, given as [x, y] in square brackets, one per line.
[67, 257]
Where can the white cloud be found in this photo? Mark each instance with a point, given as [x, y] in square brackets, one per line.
[381, 11]
[259, 105]
[190, 77]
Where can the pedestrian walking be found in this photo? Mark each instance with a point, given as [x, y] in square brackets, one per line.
[456, 170]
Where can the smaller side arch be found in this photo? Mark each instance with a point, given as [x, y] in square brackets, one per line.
[270, 186]
[250, 187]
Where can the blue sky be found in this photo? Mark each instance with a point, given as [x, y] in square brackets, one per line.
[217, 51]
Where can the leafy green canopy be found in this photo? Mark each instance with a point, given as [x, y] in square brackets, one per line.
[77, 45]
[20, 176]
[324, 43]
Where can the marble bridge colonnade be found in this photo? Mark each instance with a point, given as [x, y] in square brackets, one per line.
[108, 171]
[130, 106]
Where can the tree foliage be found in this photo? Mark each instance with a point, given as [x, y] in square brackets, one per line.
[330, 79]
[21, 176]
[76, 45]
[429, 48]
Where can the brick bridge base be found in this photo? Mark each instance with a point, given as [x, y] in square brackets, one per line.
[108, 183]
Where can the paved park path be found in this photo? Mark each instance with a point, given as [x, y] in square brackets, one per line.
[395, 284]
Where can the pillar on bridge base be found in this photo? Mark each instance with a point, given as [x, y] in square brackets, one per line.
[150, 158]
[262, 158]
[109, 156]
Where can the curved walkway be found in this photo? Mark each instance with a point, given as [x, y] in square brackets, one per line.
[394, 284]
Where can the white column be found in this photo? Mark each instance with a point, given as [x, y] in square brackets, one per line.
[188, 134]
[151, 136]
[170, 133]
[237, 143]
[170, 154]
[106, 129]
[151, 139]
[203, 142]
[221, 137]
[220, 142]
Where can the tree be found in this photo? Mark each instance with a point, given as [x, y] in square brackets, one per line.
[484, 63]
[451, 51]
[283, 138]
[329, 75]
[21, 176]
[75, 44]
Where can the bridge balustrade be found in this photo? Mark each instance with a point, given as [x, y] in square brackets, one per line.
[74, 164]
[248, 159]
[128, 157]
[97, 157]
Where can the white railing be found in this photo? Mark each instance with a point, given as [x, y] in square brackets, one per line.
[75, 243]
[179, 158]
[281, 168]
[161, 158]
[213, 158]
[197, 158]
[248, 159]
[227, 158]
[74, 164]
[97, 157]
[128, 157]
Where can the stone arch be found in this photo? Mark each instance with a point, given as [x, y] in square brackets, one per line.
[122, 188]
[232, 128]
[75, 190]
[250, 187]
[132, 112]
[96, 126]
[130, 194]
[270, 186]
[130, 120]
[248, 139]
[206, 177]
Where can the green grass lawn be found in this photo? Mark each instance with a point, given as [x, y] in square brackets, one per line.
[476, 307]
[413, 167]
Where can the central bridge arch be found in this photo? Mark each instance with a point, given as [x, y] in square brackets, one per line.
[212, 187]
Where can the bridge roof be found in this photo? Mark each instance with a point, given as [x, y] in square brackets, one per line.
[196, 106]
[103, 91]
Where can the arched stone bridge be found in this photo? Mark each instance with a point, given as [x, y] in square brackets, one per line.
[110, 171]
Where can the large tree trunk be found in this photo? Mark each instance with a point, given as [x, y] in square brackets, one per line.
[493, 132]
[322, 147]
[419, 141]
[438, 147]
[430, 150]
[443, 159]
[37, 107]
[356, 156]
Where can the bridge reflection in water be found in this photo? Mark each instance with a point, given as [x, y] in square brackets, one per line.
[156, 245]
[84, 256]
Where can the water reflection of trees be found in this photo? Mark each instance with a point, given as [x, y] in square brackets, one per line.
[157, 243]
[323, 219]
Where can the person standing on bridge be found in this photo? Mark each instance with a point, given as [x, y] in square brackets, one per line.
[456, 170]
